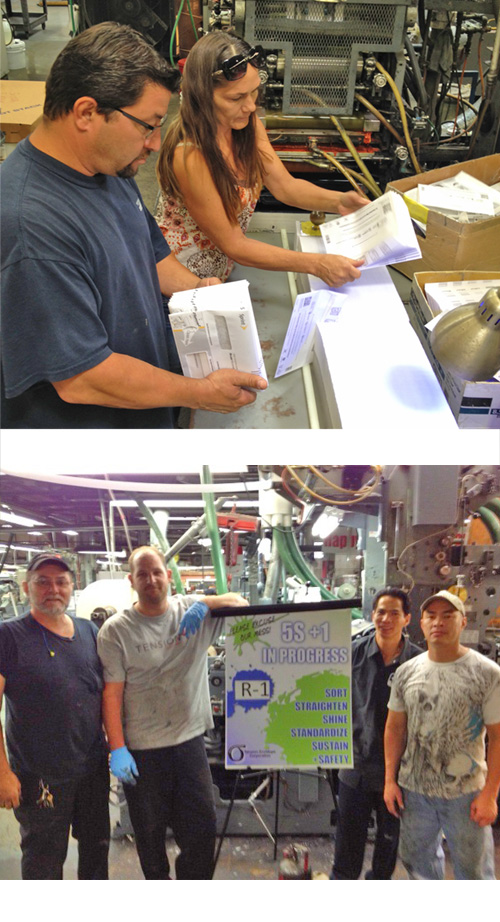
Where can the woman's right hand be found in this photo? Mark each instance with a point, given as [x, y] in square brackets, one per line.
[337, 270]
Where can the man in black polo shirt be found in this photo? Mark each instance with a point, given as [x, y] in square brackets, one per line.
[57, 773]
[375, 659]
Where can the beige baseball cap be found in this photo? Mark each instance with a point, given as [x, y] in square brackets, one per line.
[449, 596]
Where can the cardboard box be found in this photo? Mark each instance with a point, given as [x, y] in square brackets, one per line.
[474, 404]
[21, 107]
[449, 244]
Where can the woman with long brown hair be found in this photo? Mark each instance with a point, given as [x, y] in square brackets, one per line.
[215, 159]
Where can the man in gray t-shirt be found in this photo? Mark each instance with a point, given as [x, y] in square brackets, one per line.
[438, 777]
[156, 708]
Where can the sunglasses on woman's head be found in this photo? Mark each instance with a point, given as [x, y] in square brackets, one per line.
[235, 67]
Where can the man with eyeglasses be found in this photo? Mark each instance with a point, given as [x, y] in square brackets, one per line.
[438, 777]
[56, 776]
[375, 659]
[85, 340]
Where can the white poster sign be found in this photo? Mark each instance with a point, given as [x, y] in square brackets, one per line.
[288, 687]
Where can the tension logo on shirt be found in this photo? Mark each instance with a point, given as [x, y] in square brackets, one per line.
[139, 204]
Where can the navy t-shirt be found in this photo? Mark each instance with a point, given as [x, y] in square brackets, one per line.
[53, 703]
[79, 282]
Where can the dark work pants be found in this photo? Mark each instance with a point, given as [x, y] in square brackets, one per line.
[83, 805]
[355, 806]
[174, 789]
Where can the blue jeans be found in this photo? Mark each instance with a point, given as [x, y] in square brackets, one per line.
[355, 807]
[83, 805]
[174, 789]
[423, 821]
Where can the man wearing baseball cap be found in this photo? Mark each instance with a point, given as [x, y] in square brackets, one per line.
[56, 775]
[439, 778]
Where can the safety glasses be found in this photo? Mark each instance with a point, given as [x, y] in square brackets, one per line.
[150, 129]
[235, 67]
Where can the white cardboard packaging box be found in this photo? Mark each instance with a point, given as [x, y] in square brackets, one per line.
[214, 327]
[474, 404]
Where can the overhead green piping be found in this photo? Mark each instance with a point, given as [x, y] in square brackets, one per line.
[213, 534]
[162, 541]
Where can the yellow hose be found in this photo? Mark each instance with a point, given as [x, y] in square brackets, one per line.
[381, 118]
[350, 146]
[402, 113]
[342, 169]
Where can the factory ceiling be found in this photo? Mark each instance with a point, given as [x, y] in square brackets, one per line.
[103, 512]
[60, 507]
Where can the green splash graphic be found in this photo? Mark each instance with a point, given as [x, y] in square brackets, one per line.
[283, 717]
[243, 631]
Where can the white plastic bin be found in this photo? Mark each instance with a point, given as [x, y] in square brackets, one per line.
[16, 54]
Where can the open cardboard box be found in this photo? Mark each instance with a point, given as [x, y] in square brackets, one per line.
[474, 404]
[22, 107]
[449, 244]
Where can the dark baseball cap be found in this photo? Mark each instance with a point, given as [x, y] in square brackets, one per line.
[48, 557]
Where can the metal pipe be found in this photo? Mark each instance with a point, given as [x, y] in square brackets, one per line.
[490, 81]
[273, 573]
[213, 533]
[197, 528]
[284, 123]
[417, 73]
[162, 541]
[312, 408]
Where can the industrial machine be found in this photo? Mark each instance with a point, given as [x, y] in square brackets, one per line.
[423, 528]
[368, 92]
[320, 532]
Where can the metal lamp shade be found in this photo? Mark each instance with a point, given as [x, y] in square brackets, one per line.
[466, 341]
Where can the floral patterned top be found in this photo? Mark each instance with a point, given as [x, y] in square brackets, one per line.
[190, 244]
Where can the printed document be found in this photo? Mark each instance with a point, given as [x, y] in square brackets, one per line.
[460, 193]
[463, 197]
[214, 328]
[381, 233]
[308, 310]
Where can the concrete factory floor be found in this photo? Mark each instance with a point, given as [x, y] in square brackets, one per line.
[241, 857]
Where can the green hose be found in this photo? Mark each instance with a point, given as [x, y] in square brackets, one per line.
[192, 21]
[162, 541]
[172, 37]
[494, 505]
[491, 521]
[284, 552]
[174, 29]
[294, 561]
[213, 534]
[306, 571]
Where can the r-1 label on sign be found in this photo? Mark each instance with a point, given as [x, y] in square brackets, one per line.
[244, 689]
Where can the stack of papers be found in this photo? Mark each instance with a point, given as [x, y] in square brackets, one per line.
[381, 233]
[463, 197]
[214, 328]
[308, 310]
[445, 296]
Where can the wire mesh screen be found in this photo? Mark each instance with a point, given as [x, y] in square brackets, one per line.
[321, 43]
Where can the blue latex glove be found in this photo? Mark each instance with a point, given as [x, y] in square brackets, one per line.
[123, 765]
[191, 621]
